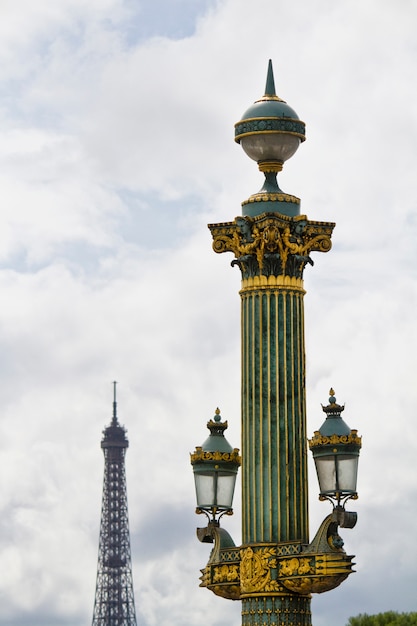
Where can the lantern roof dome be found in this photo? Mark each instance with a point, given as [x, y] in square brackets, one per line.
[216, 441]
[334, 424]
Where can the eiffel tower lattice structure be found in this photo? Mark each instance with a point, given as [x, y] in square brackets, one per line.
[114, 603]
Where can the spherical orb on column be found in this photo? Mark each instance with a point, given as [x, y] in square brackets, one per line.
[270, 130]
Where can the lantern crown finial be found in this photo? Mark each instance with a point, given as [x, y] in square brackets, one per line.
[216, 426]
[333, 409]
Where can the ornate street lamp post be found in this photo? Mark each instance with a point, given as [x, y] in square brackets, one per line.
[276, 569]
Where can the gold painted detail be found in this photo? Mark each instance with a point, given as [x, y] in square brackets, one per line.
[272, 244]
[316, 585]
[314, 573]
[272, 570]
[296, 567]
[226, 573]
[255, 570]
[232, 592]
[321, 440]
[222, 579]
[221, 574]
[319, 573]
[205, 577]
[270, 166]
[271, 197]
[201, 455]
[321, 566]
[259, 283]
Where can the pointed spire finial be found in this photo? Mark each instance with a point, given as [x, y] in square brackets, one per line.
[270, 93]
[114, 402]
[270, 82]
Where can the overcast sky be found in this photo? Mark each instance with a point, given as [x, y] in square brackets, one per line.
[116, 150]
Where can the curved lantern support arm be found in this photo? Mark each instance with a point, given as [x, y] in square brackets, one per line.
[327, 537]
[323, 564]
[213, 533]
[221, 574]
[234, 572]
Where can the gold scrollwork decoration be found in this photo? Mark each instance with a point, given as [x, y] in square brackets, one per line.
[271, 197]
[296, 566]
[321, 566]
[230, 592]
[317, 584]
[322, 440]
[322, 244]
[225, 573]
[222, 580]
[222, 244]
[201, 455]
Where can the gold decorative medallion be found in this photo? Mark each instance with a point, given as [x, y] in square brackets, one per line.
[255, 570]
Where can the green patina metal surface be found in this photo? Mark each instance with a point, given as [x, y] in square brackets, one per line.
[273, 417]
[269, 113]
[285, 610]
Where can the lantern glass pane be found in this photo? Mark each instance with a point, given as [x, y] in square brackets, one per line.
[347, 472]
[225, 490]
[204, 489]
[337, 473]
[326, 473]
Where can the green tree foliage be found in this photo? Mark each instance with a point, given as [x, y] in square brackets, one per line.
[390, 618]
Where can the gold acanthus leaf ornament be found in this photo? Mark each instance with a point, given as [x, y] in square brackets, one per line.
[323, 440]
[202, 455]
[272, 235]
[225, 573]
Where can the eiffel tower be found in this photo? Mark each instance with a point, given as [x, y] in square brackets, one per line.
[114, 603]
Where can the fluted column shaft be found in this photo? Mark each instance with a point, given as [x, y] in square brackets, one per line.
[274, 461]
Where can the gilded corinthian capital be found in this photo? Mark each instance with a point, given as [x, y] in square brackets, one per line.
[272, 244]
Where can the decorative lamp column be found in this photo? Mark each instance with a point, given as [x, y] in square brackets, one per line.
[276, 569]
